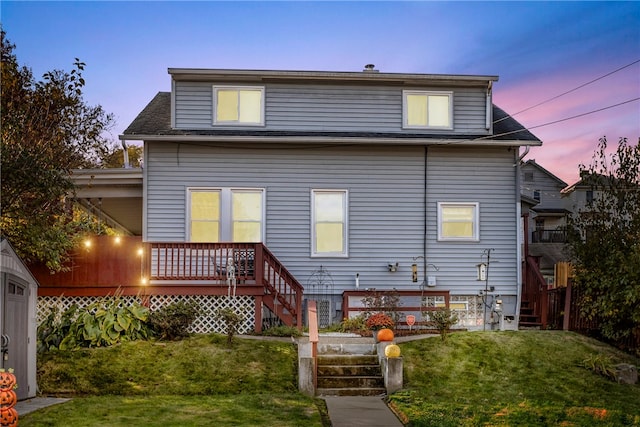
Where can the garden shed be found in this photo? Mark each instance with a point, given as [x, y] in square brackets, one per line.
[18, 302]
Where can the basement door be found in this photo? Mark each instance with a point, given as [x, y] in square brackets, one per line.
[15, 334]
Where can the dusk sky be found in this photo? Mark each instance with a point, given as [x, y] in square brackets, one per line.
[538, 49]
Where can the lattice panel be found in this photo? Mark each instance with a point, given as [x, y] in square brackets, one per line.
[205, 323]
[324, 313]
[209, 304]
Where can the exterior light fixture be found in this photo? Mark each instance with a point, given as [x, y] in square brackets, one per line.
[117, 240]
[87, 243]
[140, 251]
[143, 280]
[393, 267]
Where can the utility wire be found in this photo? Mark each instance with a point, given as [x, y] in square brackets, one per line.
[569, 91]
[551, 123]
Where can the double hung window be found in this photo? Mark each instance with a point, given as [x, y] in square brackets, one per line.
[329, 223]
[458, 221]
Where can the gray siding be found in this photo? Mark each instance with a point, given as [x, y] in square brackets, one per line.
[486, 176]
[324, 108]
[386, 206]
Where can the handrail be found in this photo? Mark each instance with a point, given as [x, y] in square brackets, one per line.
[535, 290]
[283, 285]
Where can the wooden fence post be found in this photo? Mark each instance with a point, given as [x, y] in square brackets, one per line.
[566, 319]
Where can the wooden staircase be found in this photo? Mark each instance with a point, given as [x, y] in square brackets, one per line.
[349, 369]
[528, 316]
[533, 306]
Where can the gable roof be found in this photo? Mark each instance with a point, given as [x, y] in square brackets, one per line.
[533, 163]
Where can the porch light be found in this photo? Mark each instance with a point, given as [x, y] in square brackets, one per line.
[117, 240]
[87, 243]
[143, 280]
[140, 251]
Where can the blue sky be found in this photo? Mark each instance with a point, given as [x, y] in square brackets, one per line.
[538, 49]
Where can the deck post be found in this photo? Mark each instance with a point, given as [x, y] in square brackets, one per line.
[566, 319]
[258, 314]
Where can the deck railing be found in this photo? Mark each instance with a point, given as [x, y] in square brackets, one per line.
[247, 263]
[549, 236]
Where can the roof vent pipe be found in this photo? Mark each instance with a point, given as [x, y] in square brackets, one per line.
[370, 68]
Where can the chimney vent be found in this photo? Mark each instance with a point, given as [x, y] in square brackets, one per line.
[370, 68]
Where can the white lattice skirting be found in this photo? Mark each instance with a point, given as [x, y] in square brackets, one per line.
[204, 324]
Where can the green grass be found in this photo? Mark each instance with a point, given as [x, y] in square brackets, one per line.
[526, 378]
[531, 378]
[198, 381]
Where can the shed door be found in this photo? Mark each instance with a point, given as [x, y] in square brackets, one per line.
[16, 318]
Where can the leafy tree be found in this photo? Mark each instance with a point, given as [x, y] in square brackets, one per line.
[113, 157]
[47, 130]
[605, 241]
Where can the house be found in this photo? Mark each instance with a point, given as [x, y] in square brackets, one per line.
[547, 220]
[283, 186]
[18, 300]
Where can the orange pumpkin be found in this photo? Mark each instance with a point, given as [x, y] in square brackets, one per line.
[7, 380]
[8, 417]
[385, 334]
[8, 399]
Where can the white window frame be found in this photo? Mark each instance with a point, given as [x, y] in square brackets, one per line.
[226, 210]
[405, 109]
[345, 229]
[476, 222]
[217, 122]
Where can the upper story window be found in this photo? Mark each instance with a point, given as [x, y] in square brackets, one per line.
[458, 221]
[238, 105]
[536, 195]
[427, 110]
[329, 223]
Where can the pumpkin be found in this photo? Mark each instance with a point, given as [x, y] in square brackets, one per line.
[385, 334]
[392, 350]
[8, 399]
[7, 380]
[8, 417]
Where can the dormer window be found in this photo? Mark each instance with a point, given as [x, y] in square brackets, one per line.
[427, 110]
[238, 105]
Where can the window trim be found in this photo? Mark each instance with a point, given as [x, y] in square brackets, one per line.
[476, 222]
[226, 211]
[345, 231]
[216, 122]
[405, 109]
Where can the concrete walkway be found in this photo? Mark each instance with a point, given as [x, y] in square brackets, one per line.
[35, 403]
[355, 411]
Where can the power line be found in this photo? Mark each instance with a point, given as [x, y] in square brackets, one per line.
[569, 91]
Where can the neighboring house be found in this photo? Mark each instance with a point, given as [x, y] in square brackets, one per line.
[18, 300]
[335, 182]
[547, 220]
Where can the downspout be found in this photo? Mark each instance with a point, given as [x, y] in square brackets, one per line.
[125, 153]
[424, 239]
[519, 234]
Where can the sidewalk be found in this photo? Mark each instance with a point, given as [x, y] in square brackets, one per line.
[29, 405]
[356, 411]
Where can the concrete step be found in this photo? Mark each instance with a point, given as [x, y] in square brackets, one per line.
[347, 359]
[350, 391]
[346, 370]
[352, 381]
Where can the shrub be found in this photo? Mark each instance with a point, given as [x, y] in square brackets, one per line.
[105, 322]
[353, 324]
[443, 319]
[601, 365]
[232, 321]
[173, 321]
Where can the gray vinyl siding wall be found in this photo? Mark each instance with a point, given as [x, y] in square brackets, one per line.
[386, 206]
[329, 108]
[486, 176]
